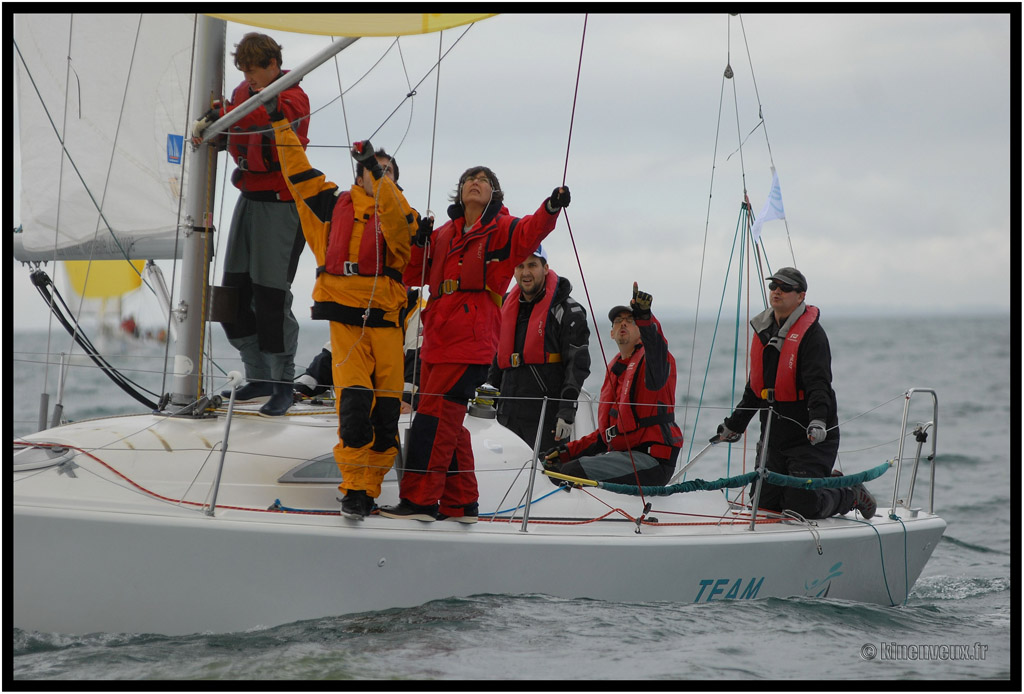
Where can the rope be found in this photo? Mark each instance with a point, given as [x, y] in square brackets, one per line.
[423, 265]
[778, 479]
[881, 556]
[572, 117]
[572, 238]
[41, 281]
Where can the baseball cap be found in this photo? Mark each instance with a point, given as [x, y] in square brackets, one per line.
[616, 311]
[542, 254]
[790, 276]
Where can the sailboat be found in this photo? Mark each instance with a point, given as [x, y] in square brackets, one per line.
[201, 516]
[106, 283]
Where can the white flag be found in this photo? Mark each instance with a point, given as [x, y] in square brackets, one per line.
[772, 208]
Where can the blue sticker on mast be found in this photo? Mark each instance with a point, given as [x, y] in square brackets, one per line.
[175, 145]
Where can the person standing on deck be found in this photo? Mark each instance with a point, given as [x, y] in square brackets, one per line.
[318, 377]
[637, 440]
[791, 373]
[264, 241]
[543, 350]
[360, 239]
[468, 266]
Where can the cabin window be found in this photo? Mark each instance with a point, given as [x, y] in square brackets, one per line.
[319, 470]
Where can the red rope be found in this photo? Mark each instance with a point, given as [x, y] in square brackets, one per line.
[575, 250]
[493, 519]
[572, 117]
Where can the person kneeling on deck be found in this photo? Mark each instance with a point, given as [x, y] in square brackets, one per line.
[791, 374]
[637, 440]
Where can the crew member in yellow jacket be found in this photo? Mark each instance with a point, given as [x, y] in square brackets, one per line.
[360, 239]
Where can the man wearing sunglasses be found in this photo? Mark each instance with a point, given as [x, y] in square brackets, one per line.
[791, 374]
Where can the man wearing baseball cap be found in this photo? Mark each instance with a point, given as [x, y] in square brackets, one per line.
[791, 376]
[637, 440]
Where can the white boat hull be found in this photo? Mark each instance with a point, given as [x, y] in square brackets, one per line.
[95, 553]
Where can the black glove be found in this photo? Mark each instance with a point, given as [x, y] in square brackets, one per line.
[559, 199]
[364, 153]
[423, 232]
[725, 434]
[554, 457]
[641, 304]
[274, 110]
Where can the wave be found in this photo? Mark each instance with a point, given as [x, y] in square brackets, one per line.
[973, 547]
[958, 587]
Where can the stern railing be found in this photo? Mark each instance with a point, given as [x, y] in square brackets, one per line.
[921, 434]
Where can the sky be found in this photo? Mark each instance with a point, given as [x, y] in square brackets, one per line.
[890, 134]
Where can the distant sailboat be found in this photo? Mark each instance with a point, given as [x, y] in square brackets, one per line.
[105, 284]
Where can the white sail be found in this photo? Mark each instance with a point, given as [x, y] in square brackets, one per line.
[114, 89]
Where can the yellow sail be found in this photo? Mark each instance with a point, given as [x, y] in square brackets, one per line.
[383, 24]
[106, 278]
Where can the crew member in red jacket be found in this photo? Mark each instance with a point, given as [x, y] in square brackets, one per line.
[468, 266]
[265, 239]
[637, 440]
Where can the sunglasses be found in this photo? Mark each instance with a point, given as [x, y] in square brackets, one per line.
[772, 286]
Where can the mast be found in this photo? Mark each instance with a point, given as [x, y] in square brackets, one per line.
[194, 307]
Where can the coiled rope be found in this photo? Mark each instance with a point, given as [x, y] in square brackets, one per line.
[743, 480]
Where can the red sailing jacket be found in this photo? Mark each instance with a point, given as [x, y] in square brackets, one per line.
[533, 346]
[785, 376]
[468, 274]
[250, 141]
[638, 414]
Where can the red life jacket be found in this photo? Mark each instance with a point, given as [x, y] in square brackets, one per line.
[472, 265]
[533, 345]
[366, 260]
[785, 376]
[627, 405]
[252, 147]
[252, 150]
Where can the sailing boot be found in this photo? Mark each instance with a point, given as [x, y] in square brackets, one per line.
[863, 501]
[471, 513]
[407, 509]
[282, 398]
[254, 390]
[356, 504]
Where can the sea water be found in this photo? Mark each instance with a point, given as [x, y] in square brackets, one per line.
[956, 624]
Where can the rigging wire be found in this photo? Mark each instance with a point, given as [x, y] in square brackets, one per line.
[428, 213]
[763, 123]
[344, 111]
[572, 239]
[410, 93]
[743, 237]
[703, 257]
